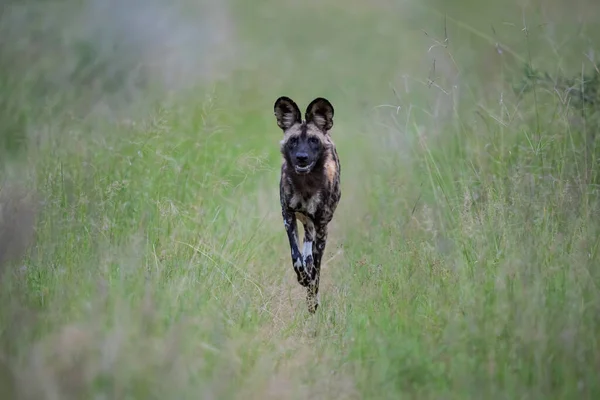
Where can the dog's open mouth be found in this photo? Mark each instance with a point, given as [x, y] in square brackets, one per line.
[304, 169]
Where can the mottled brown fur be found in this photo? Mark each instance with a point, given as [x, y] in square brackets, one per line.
[309, 185]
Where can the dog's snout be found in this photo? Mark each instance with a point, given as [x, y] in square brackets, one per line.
[302, 157]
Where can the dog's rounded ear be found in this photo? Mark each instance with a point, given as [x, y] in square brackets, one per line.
[320, 113]
[287, 112]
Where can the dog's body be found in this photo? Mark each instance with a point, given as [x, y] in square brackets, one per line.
[309, 187]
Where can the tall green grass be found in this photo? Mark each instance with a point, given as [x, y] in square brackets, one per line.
[461, 261]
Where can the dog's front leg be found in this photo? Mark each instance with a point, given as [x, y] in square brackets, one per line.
[307, 248]
[291, 227]
[318, 250]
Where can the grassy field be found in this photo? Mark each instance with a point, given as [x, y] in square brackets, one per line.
[142, 250]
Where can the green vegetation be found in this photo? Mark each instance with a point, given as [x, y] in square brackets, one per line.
[462, 261]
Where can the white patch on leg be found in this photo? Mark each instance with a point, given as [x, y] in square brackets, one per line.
[298, 264]
[307, 251]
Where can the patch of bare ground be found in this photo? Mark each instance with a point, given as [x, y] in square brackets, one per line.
[17, 220]
[59, 366]
[18, 211]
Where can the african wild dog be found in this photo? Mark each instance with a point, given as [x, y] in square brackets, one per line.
[309, 187]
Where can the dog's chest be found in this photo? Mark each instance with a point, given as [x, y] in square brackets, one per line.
[306, 204]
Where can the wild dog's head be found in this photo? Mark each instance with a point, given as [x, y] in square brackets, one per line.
[305, 142]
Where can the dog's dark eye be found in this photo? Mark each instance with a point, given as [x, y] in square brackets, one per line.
[293, 141]
[313, 140]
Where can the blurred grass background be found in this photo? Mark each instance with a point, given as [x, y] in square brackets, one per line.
[142, 251]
